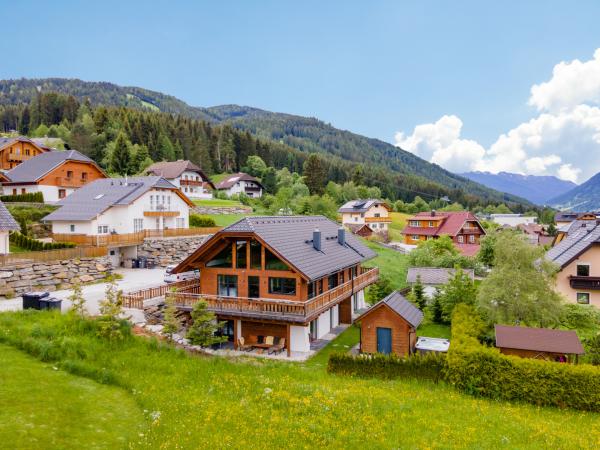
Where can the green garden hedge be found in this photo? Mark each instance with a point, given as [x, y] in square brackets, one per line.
[429, 366]
[201, 221]
[27, 243]
[31, 197]
[485, 372]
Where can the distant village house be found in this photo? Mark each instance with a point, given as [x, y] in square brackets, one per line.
[186, 175]
[432, 278]
[365, 217]
[15, 150]
[241, 183]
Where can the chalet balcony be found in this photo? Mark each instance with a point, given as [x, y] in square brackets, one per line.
[191, 182]
[15, 157]
[586, 283]
[69, 182]
[271, 309]
[378, 219]
[470, 230]
[160, 210]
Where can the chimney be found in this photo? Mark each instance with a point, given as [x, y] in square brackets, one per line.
[341, 236]
[433, 213]
[317, 239]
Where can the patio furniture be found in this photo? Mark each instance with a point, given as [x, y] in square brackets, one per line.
[242, 346]
[266, 343]
[277, 348]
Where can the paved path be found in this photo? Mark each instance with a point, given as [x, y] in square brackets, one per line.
[133, 279]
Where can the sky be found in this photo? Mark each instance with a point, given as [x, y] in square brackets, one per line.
[470, 85]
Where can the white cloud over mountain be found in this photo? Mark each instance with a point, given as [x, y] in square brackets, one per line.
[563, 140]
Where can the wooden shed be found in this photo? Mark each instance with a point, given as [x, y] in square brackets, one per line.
[390, 326]
[539, 343]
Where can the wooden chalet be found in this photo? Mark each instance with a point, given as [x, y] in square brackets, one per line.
[292, 278]
[15, 150]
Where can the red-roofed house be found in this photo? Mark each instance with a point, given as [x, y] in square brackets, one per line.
[462, 226]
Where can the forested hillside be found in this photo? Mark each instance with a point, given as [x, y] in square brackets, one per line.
[90, 117]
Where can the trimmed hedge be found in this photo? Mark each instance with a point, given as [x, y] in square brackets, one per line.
[30, 197]
[485, 372]
[201, 221]
[27, 243]
[429, 366]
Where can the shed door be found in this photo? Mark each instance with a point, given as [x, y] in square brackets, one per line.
[384, 340]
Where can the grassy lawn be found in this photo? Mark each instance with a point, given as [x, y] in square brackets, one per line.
[392, 264]
[397, 225]
[435, 330]
[201, 402]
[218, 177]
[16, 249]
[223, 220]
[47, 408]
[215, 202]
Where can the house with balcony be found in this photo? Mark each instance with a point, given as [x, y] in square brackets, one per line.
[578, 260]
[364, 217]
[186, 175]
[15, 150]
[56, 174]
[118, 213]
[292, 279]
[241, 183]
[462, 226]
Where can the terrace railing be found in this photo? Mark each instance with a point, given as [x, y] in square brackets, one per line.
[52, 255]
[136, 299]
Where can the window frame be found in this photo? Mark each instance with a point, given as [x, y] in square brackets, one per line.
[586, 295]
[281, 289]
[582, 265]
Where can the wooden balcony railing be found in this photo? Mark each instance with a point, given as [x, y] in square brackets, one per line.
[273, 309]
[587, 283]
[470, 230]
[69, 182]
[15, 157]
[120, 240]
[136, 299]
[184, 182]
[378, 219]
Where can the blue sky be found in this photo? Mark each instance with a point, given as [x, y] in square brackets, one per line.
[376, 68]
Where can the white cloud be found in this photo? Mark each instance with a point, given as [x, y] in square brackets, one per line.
[563, 141]
[572, 84]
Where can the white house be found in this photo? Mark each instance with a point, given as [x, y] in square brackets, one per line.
[373, 213]
[121, 206]
[186, 175]
[433, 278]
[512, 220]
[56, 174]
[241, 183]
[7, 224]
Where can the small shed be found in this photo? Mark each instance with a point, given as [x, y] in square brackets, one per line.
[539, 343]
[362, 230]
[390, 326]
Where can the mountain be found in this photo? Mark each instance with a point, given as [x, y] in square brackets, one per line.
[536, 189]
[383, 163]
[585, 197]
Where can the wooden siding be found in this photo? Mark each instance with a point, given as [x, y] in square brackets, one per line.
[70, 174]
[9, 157]
[384, 317]
[345, 311]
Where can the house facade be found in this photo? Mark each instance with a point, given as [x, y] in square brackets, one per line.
[56, 174]
[372, 214]
[462, 226]
[15, 150]
[390, 326]
[7, 224]
[512, 220]
[290, 277]
[114, 207]
[241, 183]
[185, 175]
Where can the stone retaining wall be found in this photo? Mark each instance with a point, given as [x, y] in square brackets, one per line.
[50, 276]
[221, 210]
[165, 251]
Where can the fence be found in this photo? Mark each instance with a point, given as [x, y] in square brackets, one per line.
[52, 255]
[119, 240]
[136, 299]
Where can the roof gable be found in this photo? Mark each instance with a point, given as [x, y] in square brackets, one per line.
[234, 178]
[399, 305]
[7, 221]
[361, 206]
[35, 168]
[174, 169]
[434, 275]
[538, 339]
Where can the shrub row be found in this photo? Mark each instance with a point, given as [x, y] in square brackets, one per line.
[34, 245]
[30, 197]
[201, 221]
[429, 366]
[484, 371]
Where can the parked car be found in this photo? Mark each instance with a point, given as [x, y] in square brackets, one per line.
[171, 277]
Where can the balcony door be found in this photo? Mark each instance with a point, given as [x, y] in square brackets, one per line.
[227, 285]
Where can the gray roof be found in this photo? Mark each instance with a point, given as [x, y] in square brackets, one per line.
[7, 140]
[402, 307]
[35, 168]
[99, 195]
[234, 178]
[434, 275]
[359, 206]
[291, 237]
[7, 221]
[576, 242]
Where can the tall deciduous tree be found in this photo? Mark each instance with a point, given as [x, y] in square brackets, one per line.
[460, 289]
[315, 174]
[519, 289]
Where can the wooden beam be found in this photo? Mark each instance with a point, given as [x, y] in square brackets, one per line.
[288, 342]
[235, 334]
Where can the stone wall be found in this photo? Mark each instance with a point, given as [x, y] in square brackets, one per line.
[221, 210]
[165, 251]
[50, 276]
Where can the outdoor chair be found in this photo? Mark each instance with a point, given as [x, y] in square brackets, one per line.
[277, 348]
[242, 346]
[269, 340]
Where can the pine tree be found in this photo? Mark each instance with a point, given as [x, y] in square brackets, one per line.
[269, 180]
[24, 121]
[435, 309]
[204, 325]
[77, 300]
[315, 174]
[170, 322]
[418, 293]
[141, 159]
[111, 308]
[121, 157]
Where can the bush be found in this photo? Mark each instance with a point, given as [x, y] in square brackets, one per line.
[30, 197]
[201, 221]
[485, 372]
[28, 243]
[429, 366]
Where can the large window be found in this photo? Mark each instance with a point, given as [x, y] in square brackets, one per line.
[272, 262]
[583, 298]
[240, 255]
[227, 285]
[332, 281]
[282, 286]
[253, 287]
[255, 258]
[223, 259]
[311, 289]
[583, 270]
[138, 225]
